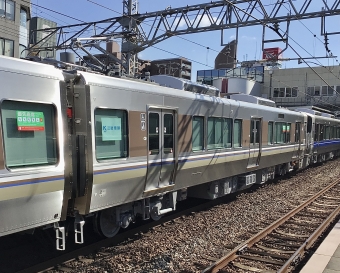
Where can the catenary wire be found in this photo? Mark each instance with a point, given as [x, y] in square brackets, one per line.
[217, 51]
[176, 36]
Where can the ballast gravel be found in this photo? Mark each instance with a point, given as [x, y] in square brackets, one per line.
[191, 243]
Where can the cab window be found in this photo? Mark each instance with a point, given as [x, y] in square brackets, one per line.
[29, 133]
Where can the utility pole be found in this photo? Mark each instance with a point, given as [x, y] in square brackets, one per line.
[270, 83]
[129, 43]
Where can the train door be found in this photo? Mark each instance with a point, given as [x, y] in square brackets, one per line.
[297, 140]
[162, 150]
[255, 144]
[309, 135]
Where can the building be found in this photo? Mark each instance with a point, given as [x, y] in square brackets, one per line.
[112, 48]
[209, 76]
[177, 67]
[304, 87]
[227, 57]
[43, 36]
[14, 17]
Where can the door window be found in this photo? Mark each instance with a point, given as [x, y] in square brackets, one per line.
[153, 133]
[168, 135]
[255, 131]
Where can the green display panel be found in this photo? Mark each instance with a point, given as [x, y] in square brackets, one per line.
[30, 121]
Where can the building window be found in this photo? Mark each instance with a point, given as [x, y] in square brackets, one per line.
[324, 90]
[7, 9]
[197, 133]
[6, 47]
[285, 92]
[22, 51]
[295, 91]
[29, 133]
[337, 89]
[330, 90]
[23, 17]
[282, 92]
[111, 133]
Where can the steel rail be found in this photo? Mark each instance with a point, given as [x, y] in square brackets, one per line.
[232, 255]
[129, 234]
[309, 242]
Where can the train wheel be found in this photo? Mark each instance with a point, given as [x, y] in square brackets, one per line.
[106, 223]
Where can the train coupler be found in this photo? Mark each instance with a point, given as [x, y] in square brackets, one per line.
[79, 223]
[60, 236]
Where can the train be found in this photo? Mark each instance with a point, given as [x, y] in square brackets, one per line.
[84, 147]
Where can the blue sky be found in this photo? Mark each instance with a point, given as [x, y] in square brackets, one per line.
[304, 36]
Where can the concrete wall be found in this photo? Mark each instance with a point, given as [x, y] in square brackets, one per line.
[12, 30]
[306, 80]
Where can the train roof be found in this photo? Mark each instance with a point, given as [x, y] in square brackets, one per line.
[49, 71]
[143, 86]
[26, 67]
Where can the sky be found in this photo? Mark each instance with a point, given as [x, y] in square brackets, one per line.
[304, 36]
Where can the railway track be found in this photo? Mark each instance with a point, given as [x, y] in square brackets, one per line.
[281, 245]
[93, 251]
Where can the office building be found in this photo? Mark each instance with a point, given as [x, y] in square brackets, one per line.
[14, 17]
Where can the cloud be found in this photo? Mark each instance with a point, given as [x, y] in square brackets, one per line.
[205, 22]
[248, 38]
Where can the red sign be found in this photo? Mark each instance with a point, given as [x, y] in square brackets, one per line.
[272, 53]
[31, 128]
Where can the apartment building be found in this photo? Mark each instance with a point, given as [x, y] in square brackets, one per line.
[14, 18]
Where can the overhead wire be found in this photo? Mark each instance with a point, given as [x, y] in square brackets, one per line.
[217, 51]
[176, 36]
[315, 36]
[293, 50]
[307, 51]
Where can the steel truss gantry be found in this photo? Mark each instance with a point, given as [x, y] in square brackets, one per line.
[140, 31]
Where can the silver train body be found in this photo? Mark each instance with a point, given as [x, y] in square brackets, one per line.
[81, 144]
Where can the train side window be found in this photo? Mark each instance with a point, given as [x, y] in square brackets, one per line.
[29, 133]
[237, 133]
[322, 135]
[297, 132]
[288, 132]
[325, 134]
[316, 134]
[111, 133]
[280, 132]
[197, 133]
[270, 132]
[215, 133]
[227, 132]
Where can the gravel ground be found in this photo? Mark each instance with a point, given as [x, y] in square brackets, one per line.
[191, 243]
